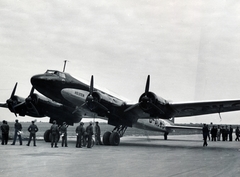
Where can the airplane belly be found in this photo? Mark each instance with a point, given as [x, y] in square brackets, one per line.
[151, 126]
[75, 96]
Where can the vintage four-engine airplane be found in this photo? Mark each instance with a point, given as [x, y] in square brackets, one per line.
[69, 100]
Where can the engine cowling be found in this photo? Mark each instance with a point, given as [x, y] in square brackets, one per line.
[99, 100]
[151, 103]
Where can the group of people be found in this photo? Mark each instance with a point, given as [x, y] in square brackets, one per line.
[84, 136]
[219, 133]
[17, 133]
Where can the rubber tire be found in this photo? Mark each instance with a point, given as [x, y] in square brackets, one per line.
[114, 139]
[46, 136]
[106, 137]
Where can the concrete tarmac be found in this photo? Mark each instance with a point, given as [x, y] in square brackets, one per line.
[180, 155]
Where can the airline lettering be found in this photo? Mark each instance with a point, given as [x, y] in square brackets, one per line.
[79, 94]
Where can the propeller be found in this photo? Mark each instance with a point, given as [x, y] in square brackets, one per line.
[144, 99]
[91, 99]
[29, 102]
[10, 101]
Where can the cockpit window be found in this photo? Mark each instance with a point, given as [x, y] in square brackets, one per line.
[58, 73]
[61, 75]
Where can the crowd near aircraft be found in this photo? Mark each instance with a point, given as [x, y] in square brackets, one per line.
[66, 99]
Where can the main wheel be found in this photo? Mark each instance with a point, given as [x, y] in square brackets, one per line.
[106, 137]
[114, 139]
[46, 136]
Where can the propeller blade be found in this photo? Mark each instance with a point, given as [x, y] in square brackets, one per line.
[91, 86]
[100, 105]
[35, 109]
[131, 107]
[31, 92]
[147, 85]
[19, 104]
[76, 109]
[14, 90]
[153, 105]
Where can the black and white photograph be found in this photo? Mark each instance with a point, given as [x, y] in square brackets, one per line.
[119, 88]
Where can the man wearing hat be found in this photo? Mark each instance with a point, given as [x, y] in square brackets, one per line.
[5, 132]
[63, 131]
[80, 131]
[98, 134]
[55, 132]
[17, 132]
[32, 130]
[89, 131]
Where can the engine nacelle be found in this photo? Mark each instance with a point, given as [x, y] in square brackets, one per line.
[33, 99]
[107, 99]
[151, 101]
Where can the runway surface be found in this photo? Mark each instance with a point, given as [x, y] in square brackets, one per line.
[180, 155]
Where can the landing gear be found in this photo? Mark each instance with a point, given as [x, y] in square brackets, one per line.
[48, 136]
[114, 137]
[165, 135]
[106, 137]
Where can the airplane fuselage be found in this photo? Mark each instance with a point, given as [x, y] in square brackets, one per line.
[51, 83]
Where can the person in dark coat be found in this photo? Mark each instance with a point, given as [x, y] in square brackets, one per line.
[230, 133]
[214, 133]
[55, 132]
[63, 131]
[223, 133]
[89, 131]
[219, 131]
[226, 133]
[98, 134]
[80, 131]
[32, 130]
[205, 132]
[237, 133]
[17, 132]
[5, 132]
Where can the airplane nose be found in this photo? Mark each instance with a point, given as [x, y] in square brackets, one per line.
[37, 79]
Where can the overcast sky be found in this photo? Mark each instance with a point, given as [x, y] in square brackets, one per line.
[190, 48]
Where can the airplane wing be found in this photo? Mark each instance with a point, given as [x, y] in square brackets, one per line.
[200, 108]
[183, 127]
[4, 105]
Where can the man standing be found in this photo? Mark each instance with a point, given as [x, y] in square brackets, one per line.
[89, 131]
[5, 132]
[80, 131]
[205, 132]
[55, 132]
[63, 131]
[32, 130]
[98, 134]
[17, 132]
[218, 133]
[230, 133]
[226, 133]
[237, 132]
[223, 133]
